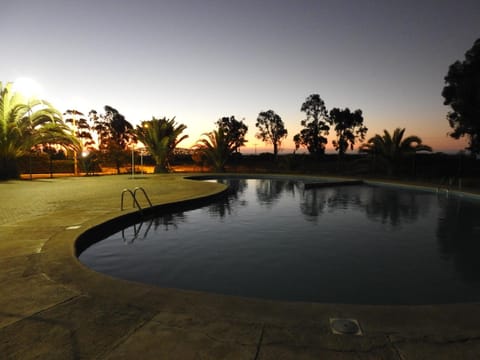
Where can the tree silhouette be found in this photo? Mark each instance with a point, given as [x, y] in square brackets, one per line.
[316, 126]
[161, 137]
[25, 124]
[271, 129]
[392, 149]
[115, 134]
[235, 130]
[348, 127]
[81, 127]
[215, 148]
[462, 94]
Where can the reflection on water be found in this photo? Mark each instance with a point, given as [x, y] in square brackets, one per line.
[380, 204]
[269, 191]
[458, 234]
[396, 207]
[225, 206]
[274, 239]
[141, 230]
[313, 202]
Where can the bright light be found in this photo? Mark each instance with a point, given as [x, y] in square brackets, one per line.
[28, 88]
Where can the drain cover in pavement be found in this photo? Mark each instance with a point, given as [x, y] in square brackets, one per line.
[345, 327]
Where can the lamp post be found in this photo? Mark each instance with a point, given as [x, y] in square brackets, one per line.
[30, 151]
[86, 166]
[74, 133]
[133, 161]
[75, 160]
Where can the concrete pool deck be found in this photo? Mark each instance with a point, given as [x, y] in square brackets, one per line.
[53, 307]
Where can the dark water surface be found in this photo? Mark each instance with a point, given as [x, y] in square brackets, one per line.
[273, 239]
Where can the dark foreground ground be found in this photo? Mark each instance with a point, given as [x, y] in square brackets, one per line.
[52, 307]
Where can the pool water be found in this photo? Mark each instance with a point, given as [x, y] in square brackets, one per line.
[272, 239]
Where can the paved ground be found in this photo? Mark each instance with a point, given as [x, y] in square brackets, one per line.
[52, 307]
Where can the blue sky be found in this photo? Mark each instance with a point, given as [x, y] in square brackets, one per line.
[201, 60]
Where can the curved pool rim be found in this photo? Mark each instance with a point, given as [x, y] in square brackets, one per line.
[94, 234]
[98, 230]
[97, 314]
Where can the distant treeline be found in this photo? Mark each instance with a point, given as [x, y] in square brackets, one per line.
[429, 167]
[422, 166]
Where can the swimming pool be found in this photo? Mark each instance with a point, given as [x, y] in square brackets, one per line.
[273, 239]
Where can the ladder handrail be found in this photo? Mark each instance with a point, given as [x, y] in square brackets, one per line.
[144, 194]
[134, 197]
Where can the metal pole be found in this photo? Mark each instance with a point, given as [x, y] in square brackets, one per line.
[133, 163]
[75, 160]
[30, 163]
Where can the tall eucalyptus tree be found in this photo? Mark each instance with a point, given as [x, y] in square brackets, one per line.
[316, 126]
[271, 129]
[115, 136]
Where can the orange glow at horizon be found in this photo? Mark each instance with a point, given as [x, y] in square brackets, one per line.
[437, 143]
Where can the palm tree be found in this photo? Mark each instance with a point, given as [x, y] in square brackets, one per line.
[26, 124]
[216, 148]
[161, 137]
[392, 148]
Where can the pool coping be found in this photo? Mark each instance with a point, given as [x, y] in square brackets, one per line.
[131, 316]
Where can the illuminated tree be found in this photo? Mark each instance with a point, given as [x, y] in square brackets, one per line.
[81, 127]
[26, 124]
[462, 94]
[83, 131]
[115, 135]
[316, 126]
[348, 127]
[271, 129]
[161, 137]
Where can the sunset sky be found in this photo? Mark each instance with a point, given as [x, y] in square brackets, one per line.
[201, 60]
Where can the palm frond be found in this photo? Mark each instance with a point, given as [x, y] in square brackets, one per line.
[161, 136]
[26, 124]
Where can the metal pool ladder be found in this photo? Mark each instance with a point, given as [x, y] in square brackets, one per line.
[134, 197]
